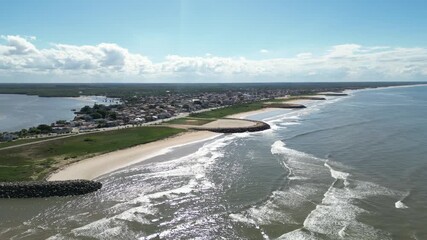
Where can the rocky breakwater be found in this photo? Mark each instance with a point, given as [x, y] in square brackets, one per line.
[312, 98]
[283, 105]
[233, 125]
[336, 94]
[42, 189]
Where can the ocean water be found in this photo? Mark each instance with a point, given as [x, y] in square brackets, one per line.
[346, 168]
[24, 111]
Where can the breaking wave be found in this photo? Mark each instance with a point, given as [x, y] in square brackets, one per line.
[160, 195]
[400, 204]
[328, 197]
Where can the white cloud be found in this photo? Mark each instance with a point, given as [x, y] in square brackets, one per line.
[344, 50]
[264, 51]
[19, 55]
[111, 62]
[18, 45]
[304, 55]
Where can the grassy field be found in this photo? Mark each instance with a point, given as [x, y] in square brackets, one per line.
[223, 112]
[239, 108]
[190, 121]
[34, 162]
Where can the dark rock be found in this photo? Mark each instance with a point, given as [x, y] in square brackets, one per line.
[284, 105]
[312, 98]
[41, 189]
[336, 94]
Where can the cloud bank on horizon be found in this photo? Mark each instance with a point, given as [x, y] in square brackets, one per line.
[22, 61]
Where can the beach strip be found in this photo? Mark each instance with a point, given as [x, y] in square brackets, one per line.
[94, 167]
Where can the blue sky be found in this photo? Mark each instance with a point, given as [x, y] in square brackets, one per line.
[227, 29]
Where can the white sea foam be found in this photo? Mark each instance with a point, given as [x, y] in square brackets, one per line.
[277, 117]
[400, 204]
[336, 216]
[289, 117]
[298, 234]
[243, 134]
[275, 127]
[283, 205]
[290, 123]
[102, 228]
[237, 217]
[159, 188]
[278, 147]
[338, 174]
[341, 233]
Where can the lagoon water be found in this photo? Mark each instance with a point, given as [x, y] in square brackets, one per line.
[347, 168]
[24, 111]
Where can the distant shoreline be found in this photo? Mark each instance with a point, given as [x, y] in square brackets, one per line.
[110, 89]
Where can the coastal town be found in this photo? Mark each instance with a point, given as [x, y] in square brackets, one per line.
[139, 110]
[149, 109]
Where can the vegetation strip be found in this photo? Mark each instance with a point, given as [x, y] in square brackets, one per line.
[259, 126]
[35, 161]
[223, 112]
[190, 121]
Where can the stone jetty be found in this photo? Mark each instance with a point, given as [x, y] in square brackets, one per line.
[312, 98]
[283, 105]
[42, 189]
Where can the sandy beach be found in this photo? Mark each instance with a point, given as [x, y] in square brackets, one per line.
[94, 167]
[229, 123]
[91, 168]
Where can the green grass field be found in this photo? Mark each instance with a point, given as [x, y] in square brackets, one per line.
[35, 161]
[239, 108]
[223, 112]
[190, 121]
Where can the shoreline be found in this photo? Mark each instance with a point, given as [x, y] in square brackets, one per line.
[97, 166]
[91, 168]
[349, 91]
[94, 167]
